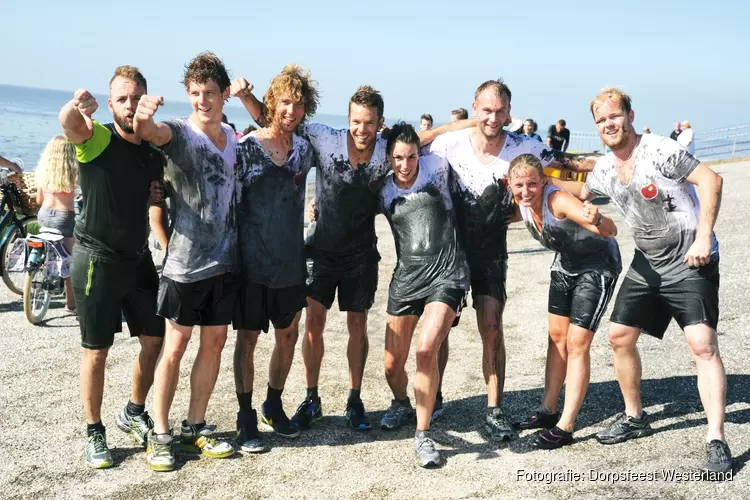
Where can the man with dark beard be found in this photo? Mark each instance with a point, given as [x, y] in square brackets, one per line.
[112, 268]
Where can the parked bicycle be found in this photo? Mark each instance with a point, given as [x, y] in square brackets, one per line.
[12, 227]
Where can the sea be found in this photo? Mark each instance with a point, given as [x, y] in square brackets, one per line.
[28, 119]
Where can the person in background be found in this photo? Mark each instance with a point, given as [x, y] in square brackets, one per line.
[425, 122]
[459, 114]
[685, 139]
[56, 181]
[676, 132]
[15, 167]
[646, 130]
[529, 129]
[558, 137]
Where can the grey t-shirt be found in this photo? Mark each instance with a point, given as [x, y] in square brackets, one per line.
[346, 195]
[578, 250]
[271, 213]
[428, 250]
[203, 243]
[659, 204]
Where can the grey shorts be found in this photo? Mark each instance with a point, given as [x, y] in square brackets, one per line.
[54, 218]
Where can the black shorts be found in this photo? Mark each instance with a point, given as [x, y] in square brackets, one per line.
[208, 302]
[355, 277]
[582, 298]
[690, 302]
[258, 305]
[105, 289]
[488, 277]
[454, 297]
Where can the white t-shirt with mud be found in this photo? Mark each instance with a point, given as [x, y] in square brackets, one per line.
[346, 195]
[480, 192]
[659, 204]
[203, 243]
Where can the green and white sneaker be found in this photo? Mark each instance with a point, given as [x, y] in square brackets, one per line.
[159, 454]
[193, 440]
[97, 453]
[138, 427]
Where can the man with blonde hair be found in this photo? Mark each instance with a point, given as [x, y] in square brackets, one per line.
[112, 268]
[686, 138]
[671, 202]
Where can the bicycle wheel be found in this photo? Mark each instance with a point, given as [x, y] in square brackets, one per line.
[35, 297]
[14, 280]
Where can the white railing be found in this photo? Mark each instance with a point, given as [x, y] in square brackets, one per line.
[723, 142]
[585, 142]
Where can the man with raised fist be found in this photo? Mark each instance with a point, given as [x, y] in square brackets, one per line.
[199, 282]
[112, 267]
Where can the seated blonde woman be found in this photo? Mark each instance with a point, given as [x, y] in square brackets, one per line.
[56, 180]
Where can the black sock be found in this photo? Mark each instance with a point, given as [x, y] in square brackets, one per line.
[134, 410]
[246, 401]
[439, 396]
[197, 427]
[312, 393]
[273, 396]
[97, 428]
[354, 396]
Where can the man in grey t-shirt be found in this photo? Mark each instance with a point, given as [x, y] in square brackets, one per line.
[671, 202]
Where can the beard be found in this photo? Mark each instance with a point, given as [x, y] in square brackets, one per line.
[124, 122]
[618, 140]
[489, 133]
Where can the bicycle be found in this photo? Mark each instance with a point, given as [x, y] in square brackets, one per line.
[12, 227]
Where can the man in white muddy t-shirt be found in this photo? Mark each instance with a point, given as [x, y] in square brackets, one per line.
[479, 158]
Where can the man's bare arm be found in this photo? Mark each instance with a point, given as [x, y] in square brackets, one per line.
[10, 165]
[144, 125]
[577, 189]
[157, 219]
[242, 89]
[75, 117]
[709, 185]
[427, 136]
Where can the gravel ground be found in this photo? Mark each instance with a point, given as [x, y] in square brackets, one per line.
[42, 422]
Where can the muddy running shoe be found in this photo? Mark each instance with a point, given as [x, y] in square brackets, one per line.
[96, 452]
[496, 425]
[159, 455]
[539, 420]
[356, 416]
[425, 450]
[194, 441]
[397, 415]
[248, 437]
[624, 428]
[309, 412]
[718, 460]
[437, 410]
[551, 439]
[275, 418]
[138, 427]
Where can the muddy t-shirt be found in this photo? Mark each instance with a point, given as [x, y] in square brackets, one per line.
[480, 194]
[428, 251]
[659, 205]
[346, 195]
[203, 243]
[270, 214]
[578, 250]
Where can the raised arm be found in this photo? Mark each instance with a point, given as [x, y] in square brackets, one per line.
[144, 125]
[427, 136]
[243, 90]
[75, 117]
[586, 215]
[709, 185]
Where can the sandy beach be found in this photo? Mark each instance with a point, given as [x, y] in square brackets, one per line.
[42, 425]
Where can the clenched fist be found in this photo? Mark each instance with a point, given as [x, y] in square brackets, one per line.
[591, 213]
[85, 103]
[147, 106]
[240, 87]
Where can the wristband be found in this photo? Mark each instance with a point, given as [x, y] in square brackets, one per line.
[599, 222]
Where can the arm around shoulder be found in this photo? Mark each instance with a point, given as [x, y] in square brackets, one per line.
[427, 136]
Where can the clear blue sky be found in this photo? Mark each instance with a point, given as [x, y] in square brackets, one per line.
[678, 59]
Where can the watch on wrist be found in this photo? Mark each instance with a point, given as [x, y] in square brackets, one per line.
[599, 221]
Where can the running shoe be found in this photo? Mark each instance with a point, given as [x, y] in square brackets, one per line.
[718, 459]
[309, 412]
[159, 455]
[539, 420]
[496, 425]
[437, 410]
[397, 415]
[194, 441]
[248, 437]
[550, 439]
[138, 427]
[624, 428]
[356, 416]
[275, 418]
[97, 452]
[425, 450]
